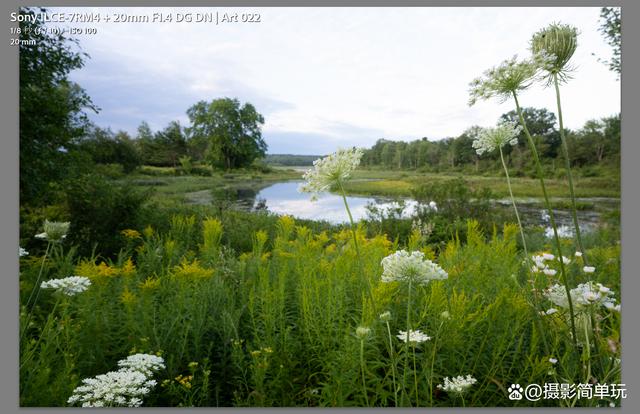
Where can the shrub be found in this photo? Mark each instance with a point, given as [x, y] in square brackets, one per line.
[99, 210]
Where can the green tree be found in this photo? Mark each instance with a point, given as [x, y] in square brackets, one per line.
[51, 107]
[233, 132]
[541, 123]
[611, 29]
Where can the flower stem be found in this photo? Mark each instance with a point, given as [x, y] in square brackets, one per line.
[513, 201]
[524, 247]
[552, 219]
[406, 344]
[355, 242]
[36, 288]
[364, 384]
[567, 162]
[393, 365]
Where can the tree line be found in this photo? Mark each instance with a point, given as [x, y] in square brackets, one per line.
[596, 143]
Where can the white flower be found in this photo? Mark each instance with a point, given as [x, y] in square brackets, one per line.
[433, 206]
[549, 272]
[54, 231]
[405, 266]
[362, 332]
[550, 311]
[385, 316]
[578, 254]
[414, 336]
[69, 286]
[490, 139]
[553, 360]
[22, 252]
[457, 385]
[330, 170]
[582, 296]
[566, 260]
[548, 256]
[588, 269]
[144, 363]
[116, 388]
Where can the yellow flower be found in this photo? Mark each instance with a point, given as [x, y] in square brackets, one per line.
[131, 234]
[106, 270]
[127, 297]
[191, 270]
[150, 283]
[255, 353]
[128, 268]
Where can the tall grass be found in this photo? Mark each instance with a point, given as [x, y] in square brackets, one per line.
[275, 326]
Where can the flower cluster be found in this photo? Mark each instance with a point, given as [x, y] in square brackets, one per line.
[69, 286]
[362, 332]
[330, 170]
[404, 266]
[584, 295]
[144, 363]
[415, 337]
[490, 139]
[114, 389]
[540, 263]
[22, 252]
[54, 231]
[457, 385]
[122, 388]
[503, 81]
[553, 47]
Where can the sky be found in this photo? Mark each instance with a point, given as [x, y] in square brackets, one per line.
[325, 78]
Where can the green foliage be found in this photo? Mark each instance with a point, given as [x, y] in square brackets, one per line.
[99, 210]
[105, 147]
[231, 131]
[290, 159]
[51, 107]
[611, 29]
[275, 325]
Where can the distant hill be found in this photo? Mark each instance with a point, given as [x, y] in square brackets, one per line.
[290, 159]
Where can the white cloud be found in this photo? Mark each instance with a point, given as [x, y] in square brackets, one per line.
[341, 73]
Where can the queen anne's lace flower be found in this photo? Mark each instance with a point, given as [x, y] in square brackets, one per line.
[404, 266]
[121, 388]
[54, 231]
[490, 139]
[457, 385]
[362, 332]
[502, 81]
[414, 336]
[553, 47]
[584, 295]
[69, 286]
[144, 363]
[330, 170]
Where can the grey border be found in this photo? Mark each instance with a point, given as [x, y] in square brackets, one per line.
[9, 171]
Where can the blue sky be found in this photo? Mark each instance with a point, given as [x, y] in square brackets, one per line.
[330, 77]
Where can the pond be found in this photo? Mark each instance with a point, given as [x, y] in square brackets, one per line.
[284, 198]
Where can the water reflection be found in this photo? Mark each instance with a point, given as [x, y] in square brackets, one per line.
[284, 198]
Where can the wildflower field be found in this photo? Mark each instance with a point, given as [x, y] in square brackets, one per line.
[207, 308]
